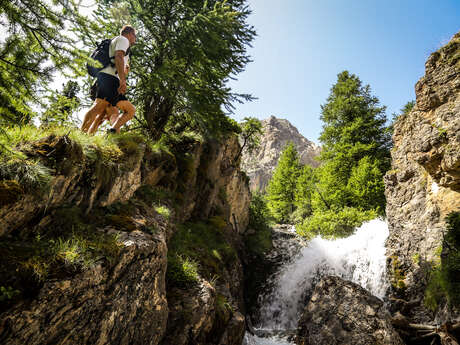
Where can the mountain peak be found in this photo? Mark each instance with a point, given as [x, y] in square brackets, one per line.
[277, 133]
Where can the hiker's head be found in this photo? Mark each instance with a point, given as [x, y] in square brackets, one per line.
[129, 32]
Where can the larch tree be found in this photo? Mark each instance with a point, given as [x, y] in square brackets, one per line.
[186, 51]
[35, 45]
[356, 146]
[281, 190]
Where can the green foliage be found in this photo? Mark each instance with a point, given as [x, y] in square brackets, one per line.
[70, 244]
[62, 106]
[347, 188]
[334, 223]
[444, 284]
[259, 215]
[30, 174]
[35, 44]
[435, 292]
[251, 130]
[7, 293]
[305, 188]
[355, 146]
[184, 55]
[282, 186]
[182, 272]
[204, 244]
[397, 275]
[153, 195]
[163, 210]
[402, 113]
[365, 185]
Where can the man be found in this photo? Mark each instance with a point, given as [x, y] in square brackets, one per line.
[111, 88]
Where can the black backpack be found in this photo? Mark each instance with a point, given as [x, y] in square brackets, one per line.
[101, 54]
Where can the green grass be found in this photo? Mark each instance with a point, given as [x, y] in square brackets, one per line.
[203, 243]
[70, 242]
[31, 174]
[182, 271]
[155, 197]
[7, 293]
[30, 162]
[111, 147]
[163, 210]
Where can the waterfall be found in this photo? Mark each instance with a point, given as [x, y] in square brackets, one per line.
[359, 258]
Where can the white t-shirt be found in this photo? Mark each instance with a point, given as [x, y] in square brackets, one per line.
[118, 43]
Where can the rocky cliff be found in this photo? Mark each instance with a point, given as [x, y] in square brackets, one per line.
[277, 133]
[423, 186]
[89, 259]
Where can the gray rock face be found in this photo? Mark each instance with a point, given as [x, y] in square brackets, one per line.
[125, 304]
[125, 300]
[423, 186]
[341, 312]
[276, 134]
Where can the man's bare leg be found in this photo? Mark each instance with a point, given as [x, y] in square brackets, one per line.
[114, 115]
[98, 121]
[98, 107]
[128, 113]
[108, 114]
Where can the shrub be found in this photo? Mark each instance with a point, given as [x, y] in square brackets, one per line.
[163, 210]
[182, 271]
[334, 223]
[259, 218]
[444, 283]
[205, 244]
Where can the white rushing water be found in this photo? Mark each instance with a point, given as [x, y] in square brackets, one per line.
[359, 258]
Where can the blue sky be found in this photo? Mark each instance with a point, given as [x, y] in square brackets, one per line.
[303, 44]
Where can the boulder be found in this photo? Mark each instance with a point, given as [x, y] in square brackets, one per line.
[342, 312]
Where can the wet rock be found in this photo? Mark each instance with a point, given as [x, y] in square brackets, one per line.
[341, 312]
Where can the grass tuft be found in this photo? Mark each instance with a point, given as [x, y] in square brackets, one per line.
[182, 271]
[204, 243]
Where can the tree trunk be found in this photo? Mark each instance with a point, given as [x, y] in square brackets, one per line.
[157, 115]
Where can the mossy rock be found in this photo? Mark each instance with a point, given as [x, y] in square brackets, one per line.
[444, 281]
[10, 192]
[122, 222]
[398, 277]
[57, 151]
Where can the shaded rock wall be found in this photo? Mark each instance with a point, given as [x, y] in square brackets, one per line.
[423, 186]
[125, 300]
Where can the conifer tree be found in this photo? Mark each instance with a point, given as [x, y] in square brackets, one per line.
[281, 190]
[62, 106]
[251, 130]
[305, 187]
[356, 146]
[35, 45]
[185, 53]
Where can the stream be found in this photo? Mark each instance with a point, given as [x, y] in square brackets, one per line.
[359, 258]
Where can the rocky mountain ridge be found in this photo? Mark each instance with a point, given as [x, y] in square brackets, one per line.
[277, 133]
